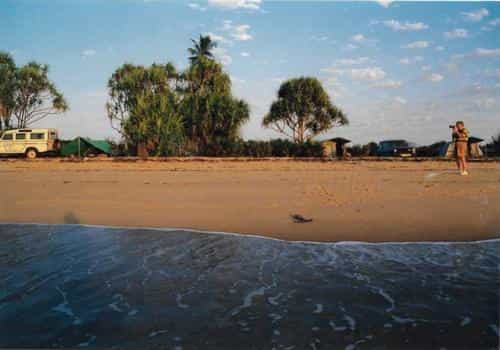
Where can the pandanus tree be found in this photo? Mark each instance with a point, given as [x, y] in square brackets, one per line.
[212, 116]
[303, 110]
[162, 109]
[142, 107]
[201, 48]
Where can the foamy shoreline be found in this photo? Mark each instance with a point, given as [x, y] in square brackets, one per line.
[244, 235]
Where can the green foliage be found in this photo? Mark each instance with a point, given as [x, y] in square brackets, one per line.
[303, 110]
[35, 97]
[7, 88]
[143, 107]
[171, 113]
[201, 49]
[212, 116]
[369, 149]
[274, 148]
[494, 146]
[431, 150]
[155, 123]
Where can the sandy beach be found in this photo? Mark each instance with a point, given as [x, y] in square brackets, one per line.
[354, 201]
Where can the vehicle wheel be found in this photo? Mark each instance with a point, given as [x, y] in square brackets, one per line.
[31, 153]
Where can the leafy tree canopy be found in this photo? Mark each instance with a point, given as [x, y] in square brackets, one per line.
[201, 49]
[142, 105]
[303, 110]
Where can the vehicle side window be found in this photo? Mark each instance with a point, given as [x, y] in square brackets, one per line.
[7, 137]
[20, 136]
[37, 136]
[53, 136]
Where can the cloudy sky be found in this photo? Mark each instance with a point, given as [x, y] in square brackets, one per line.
[398, 69]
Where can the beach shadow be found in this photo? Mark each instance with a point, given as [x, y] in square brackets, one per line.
[71, 218]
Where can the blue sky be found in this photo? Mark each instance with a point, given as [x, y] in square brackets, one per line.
[398, 69]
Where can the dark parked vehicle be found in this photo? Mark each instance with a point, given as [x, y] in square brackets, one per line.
[396, 148]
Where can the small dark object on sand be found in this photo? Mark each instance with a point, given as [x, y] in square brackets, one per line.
[299, 219]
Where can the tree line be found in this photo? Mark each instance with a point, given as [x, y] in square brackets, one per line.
[160, 111]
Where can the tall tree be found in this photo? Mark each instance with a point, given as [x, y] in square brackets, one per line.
[212, 116]
[201, 48]
[143, 104]
[35, 96]
[303, 110]
[7, 88]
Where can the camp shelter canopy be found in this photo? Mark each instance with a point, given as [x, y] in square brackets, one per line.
[84, 146]
[334, 147]
[448, 149]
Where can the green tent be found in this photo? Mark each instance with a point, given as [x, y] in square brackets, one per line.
[83, 147]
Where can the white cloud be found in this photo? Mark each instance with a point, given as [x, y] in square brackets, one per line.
[358, 38]
[370, 73]
[475, 16]
[236, 4]
[406, 26]
[241, 33]
[88, 53]
[319, 38]
[440, 48]
[485, 102]
[410, 60]
[388, 84]
[237, 32]
[400, 100]
[435, 77]
[416, 45]
[425, 68]
[223, 56]
[458, 33]
[495, 22]
[197, 7]
[491, 24]
[487, 52]
[352, 61]
[358, 74]
[384, 3]
[218, 38]
[245, 54]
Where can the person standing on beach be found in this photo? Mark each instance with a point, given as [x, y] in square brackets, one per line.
[461, 138]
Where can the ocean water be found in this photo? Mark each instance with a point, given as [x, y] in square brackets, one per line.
[93, 287]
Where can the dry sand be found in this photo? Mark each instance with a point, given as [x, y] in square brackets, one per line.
[355, 201]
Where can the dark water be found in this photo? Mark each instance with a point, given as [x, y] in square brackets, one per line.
[75, 286]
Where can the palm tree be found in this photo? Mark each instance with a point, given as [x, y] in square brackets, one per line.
[202, 48]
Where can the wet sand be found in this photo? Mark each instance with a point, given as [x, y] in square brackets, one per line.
[354, 201]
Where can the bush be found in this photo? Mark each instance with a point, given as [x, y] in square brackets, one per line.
[430, 150]
[272, 148]
[369, 149]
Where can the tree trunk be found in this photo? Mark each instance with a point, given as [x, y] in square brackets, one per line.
[300, 135]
